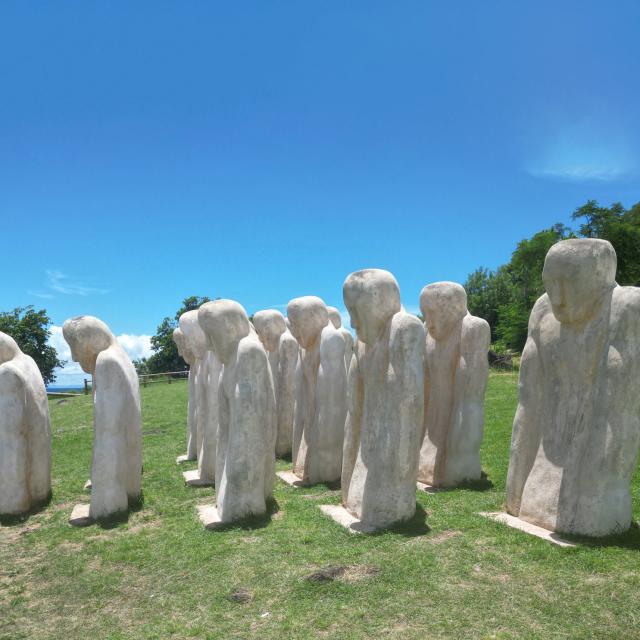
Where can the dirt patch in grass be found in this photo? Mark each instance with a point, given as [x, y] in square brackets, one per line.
[240, 594]
[344, 573]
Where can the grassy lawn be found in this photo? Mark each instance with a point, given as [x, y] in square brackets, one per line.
[161, 575]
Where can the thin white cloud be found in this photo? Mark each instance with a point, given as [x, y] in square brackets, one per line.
[71, 374]
[62, 283]
[582, 173]
[41, 294]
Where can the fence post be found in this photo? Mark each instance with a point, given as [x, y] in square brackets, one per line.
[86, 387]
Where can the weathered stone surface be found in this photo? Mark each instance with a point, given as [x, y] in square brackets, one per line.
[192, 428]
[576, 431]
[117, 457]
[336, 321]
[205, 371]
[247, 416]
[282, 350]
[386, 403]
[456, 373]
[25, 431]
[320, 392]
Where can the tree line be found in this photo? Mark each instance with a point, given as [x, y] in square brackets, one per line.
[505, 297]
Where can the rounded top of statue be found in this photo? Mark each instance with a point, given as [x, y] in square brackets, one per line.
[372, 297]
[335, 317]
[269, 325]
[195, 339]
[87, 336]
[308, 316]
[443, 305]
[577, 275]
[224, 323]
[9, 348]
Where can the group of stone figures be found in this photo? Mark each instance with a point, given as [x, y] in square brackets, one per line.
[399, 407]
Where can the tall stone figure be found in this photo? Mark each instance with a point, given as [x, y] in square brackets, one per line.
[576, 431]
[386, 403]
[456, 373]
[321, 400]
[25, 431]
[206, 371]
[117, 456]
[192, 428]
[336, 321]
[282, 350]
[247, 415]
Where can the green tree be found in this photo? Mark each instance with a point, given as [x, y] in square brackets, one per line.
[165, 355]
[30, 329]
[621, 228]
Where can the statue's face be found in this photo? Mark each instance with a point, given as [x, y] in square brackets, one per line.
[576, 275]
[269, 326]
[443, 305]
[224, 323]
[87, 337]
[195, 341]
[372, 298]
[308, 316]
[183, 349]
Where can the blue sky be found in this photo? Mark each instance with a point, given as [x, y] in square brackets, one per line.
[264, 150]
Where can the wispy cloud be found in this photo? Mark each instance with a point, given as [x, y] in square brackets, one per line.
[62, 283]
[57, 282]
[583, 149]
[582, 173]
[41, 294]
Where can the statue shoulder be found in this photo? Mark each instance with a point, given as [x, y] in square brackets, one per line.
[251, 353]
[331, 342]
[476, 334]
[407, 329]
[541, 308]
[625, 306]
[11, 378]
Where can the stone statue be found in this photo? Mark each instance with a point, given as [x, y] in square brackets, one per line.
[456, 373]
[576, 431]
[282, 350]
[207, 370]
[25, 432]
[117, 457]
[336, 321]
[386, 403]
[192, 428]
[321, 402]
[247, 413]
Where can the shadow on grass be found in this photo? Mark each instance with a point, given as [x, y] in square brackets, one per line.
[483, 484]
[12, 520]
[416, 526]
[629, 539]
[252, 522]
[116, 519]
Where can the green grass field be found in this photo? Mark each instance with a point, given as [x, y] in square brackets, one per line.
[297, 574]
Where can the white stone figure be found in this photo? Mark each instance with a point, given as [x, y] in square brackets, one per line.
[192, 428]
[206, 371]
[247, 414]
[456, 373]
[321, 401]
[282, 350]
[117, 445]
[576, 431]
[25, 432]
[336, 321]
[386, 403]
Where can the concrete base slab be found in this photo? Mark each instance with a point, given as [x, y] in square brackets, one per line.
[422, 486]
[87, 485]
[290, 478]
[527, 527]
[80, 516]
[209, 517]
[192, 478]
[340, 515]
